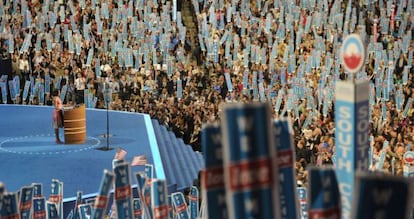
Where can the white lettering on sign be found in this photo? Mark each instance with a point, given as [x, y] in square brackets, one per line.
[362, 138]
[216, 138]
[381, 197]
[245, 126]
[345, 190]
[344, 138]
[326, 185]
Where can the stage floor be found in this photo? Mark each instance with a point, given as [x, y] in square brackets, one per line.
[28, 152]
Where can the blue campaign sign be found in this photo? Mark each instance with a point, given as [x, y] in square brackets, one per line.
[303, 202]
[353, 53]
[101, 201]
[351, 137]
[146, 193]
[283, 134]
[85, 211]
[9, 206]
[137, 208]
[193, 202]
[37, 190]
[141, 185]
[170, 208]
[77, 203]
[159, 202]
[51, 210]
[212, 177]
[324, 196]
[123, 191]
[382, 196]
[149, 173]
[56, 196]
[39, 208]
[251, 188]
[180, 205]
[25, 204]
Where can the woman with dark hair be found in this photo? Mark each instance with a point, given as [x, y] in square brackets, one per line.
[57, 116]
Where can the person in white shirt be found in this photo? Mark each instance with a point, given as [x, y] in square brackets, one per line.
[80, 83]
[23, 65]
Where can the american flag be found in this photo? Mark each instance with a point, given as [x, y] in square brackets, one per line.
[120, 154]
[139, 160]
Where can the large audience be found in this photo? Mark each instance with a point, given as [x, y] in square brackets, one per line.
[283, 52]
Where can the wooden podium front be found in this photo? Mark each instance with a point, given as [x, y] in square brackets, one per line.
[75, 125]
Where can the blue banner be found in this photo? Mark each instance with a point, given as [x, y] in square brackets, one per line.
[247, 144]
[382, 196]
[283, 134]
[123, 192]
[324, 197]
[212, 177]
[101, 202]
[351, 137]
[63, 92]
[179, 89]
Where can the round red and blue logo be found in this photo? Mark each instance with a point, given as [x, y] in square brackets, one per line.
[352, 53]
[408, 157]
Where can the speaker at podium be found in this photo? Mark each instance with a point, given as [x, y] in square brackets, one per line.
[74, 121]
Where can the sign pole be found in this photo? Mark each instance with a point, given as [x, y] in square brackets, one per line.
[351, 122]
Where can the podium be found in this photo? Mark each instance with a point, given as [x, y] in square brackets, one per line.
[74, 125]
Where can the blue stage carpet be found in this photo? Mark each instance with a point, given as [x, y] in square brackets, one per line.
[28, 152]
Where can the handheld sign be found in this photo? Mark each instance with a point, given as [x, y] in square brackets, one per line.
[212, 177]
[180, 205]
[408, 157]
[248, 171]
[159, 201]
[9, 207]
[101, 201]
[302, 196]
[123, 191]
[352, 53]
[25, 207]
[283, 134]
[193, 202]
[382, 196]
[39, 208]
[324, 198]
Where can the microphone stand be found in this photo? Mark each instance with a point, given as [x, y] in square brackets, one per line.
[107, 99]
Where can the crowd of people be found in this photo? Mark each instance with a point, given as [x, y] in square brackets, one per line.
[283, 52]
